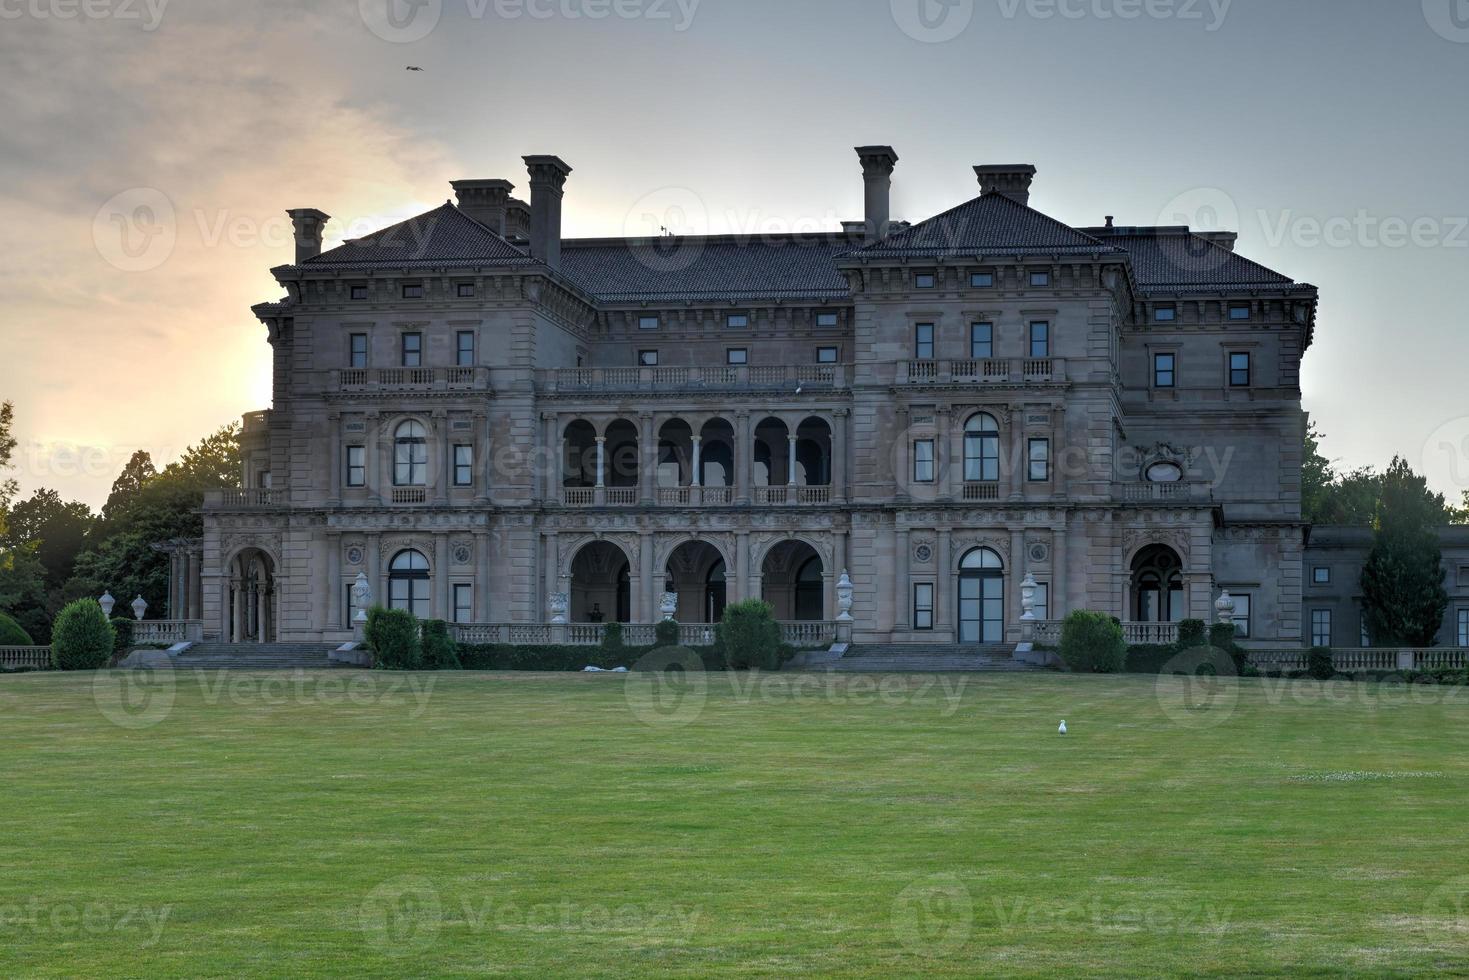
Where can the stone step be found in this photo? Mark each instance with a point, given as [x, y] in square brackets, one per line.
[257, 656]
[925, 658]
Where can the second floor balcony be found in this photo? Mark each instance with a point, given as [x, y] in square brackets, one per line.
[983, 370]
[410, 379]
[742, 377]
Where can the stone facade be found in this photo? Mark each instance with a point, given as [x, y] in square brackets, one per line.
[479, 417]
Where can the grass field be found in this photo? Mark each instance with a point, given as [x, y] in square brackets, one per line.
[538, 826]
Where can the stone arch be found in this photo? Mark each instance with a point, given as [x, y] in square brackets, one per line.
[599, 578]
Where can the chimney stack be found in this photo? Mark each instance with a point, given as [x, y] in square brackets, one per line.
[547, 178]
[484, 201]
[309, 224]
[1010, 180]
[877, 177]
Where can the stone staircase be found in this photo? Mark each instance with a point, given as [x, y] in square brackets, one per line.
[909, 658]
[257, 656]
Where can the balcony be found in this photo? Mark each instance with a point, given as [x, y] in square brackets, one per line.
[777, 377]
[369, 380]
[255, 499]
[778, 496]
[1030, 370]
[1163, 493]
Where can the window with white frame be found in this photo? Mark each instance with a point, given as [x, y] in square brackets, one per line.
[408, 583]
[1366, 634]
[1042, 607]
[358, 291]
[1239, 369]
[1165, 372]
[463, 466]
[827, 320]
[982, 449]
[465, 290]
[647, 358]
[412, 290]
[356, 466]
[463, 602]
[1165, 314]
[1321, 575]
[1239, 311]
[923, 605]
[1321, 627]
[923, 461]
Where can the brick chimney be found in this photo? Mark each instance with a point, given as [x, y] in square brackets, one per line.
[877, 177]
[484, 201]
[1011, 180]
[547, 178]
[309, 224]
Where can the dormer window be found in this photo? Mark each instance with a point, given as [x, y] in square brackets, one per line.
[1165, 314]
[981, 280]
[647, 323]
[413, 290]
[1038, 278]
[924, 280]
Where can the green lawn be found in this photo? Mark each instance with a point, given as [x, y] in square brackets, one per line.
[540, 826]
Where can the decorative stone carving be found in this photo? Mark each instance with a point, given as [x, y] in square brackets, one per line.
[844, 598]
[361, 598]
[355, 555]
[668, 606]
[463, 553]
[558, 605]
[1224, 606]
[923, 553]
[1027, 598]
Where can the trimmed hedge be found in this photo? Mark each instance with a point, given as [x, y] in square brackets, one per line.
[665, 634]
[393, 636]
[82, 638]
[1092, 643]
[1319, 665]
[440, 652]
[749, 637]
[11, 634]
[122, 628]
[612, 638]
[501, 656]
[1150, 659]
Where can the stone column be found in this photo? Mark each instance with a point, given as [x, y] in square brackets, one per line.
[485, 475]
[1056, 601]
[694, 477]
[943, 601]
[550, 571]
[648, 467]
[601, 462]
[901, 585]
[336, 454]
[834, 573]
[744, 453]
[742, 566]
[377, 471]
[374, 565]
[650, 590]
[1016, 574]
[550, 459]
[441, 605]
[791, 459]
[901, 479]
[839, 461]
[333, 611]
[191, 584]
[942, 454]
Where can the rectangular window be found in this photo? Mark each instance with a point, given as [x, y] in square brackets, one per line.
[981, 340]
[1239, 312]
[1040, 339]
[1042, 601]
[465, 290]
[348, 611]
[923, 605]
[923, 341]
[647, 323]
[358, 291]
[737, 321]
[923, 461]
[1239, 369]
[356, 466]
[357, 345]
[1321, 627]
[1241, 615]
[1463, 633]
[981, 280]
[827, 320]
[1366, 637]
[1165, 314]
[412, 290]
[1321, 575]
[1040, 278]
[413, 350]
[737, 355]
[826, 355]
[463, 602]
[463, 466]
[1038, 460]
[464, 348]
[1163, 374]
[924, 280]
[647, 358]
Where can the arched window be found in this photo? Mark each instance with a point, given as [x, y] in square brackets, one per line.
[982, 449]
[408, 585]
[1157, 584]
[982, 597]
[410, 455]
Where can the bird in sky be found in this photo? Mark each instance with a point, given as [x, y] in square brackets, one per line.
[414, 68]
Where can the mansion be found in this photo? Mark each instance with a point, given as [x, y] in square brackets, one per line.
[496, 425]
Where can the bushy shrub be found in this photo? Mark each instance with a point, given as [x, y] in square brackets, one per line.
[500, 656]
[1151, 659]
[440, 652]
[749, 636]
[81, 637]
[1192, 633]
[665, 634]
[122, 628]
[394, 638]
[11, 635]
[1092, 643]
[1221, 636]
[1318, 664]
[612, 637]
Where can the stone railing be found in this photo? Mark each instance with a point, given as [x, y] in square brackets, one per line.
[1349, 659]
[37, 658]
[409, 495]
[981, 491]
[1048, 633]
[411, 379]
[982, 371]
[1143, 493]
[255, 499]
[781, 495]
[800, 634]
[809, 377]
[167, 631]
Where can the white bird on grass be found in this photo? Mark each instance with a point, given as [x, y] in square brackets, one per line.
[1063, 726]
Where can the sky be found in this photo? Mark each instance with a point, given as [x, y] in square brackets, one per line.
[150, 148]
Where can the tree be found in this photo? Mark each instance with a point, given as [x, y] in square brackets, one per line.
[1317, 477]
[1329, 497]
[1403, 595]
[8, 487]
[42, 542]
[128, 485]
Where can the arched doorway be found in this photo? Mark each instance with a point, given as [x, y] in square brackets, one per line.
[601, 585]
[793, 581]
[408, 584]
[252, 598]
[1157, 586]
[696, 574]
[982, 597]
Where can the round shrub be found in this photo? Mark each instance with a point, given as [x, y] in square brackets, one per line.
[440, 652]
[1318, 664]
[612, 637]
[11, 635]
[749, 636]
[394, 638]
[1192, 633]
[82, 638]
[665, 634]
[1092, 643]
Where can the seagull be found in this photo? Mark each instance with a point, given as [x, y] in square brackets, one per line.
[1063, 726]
[414, 68]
